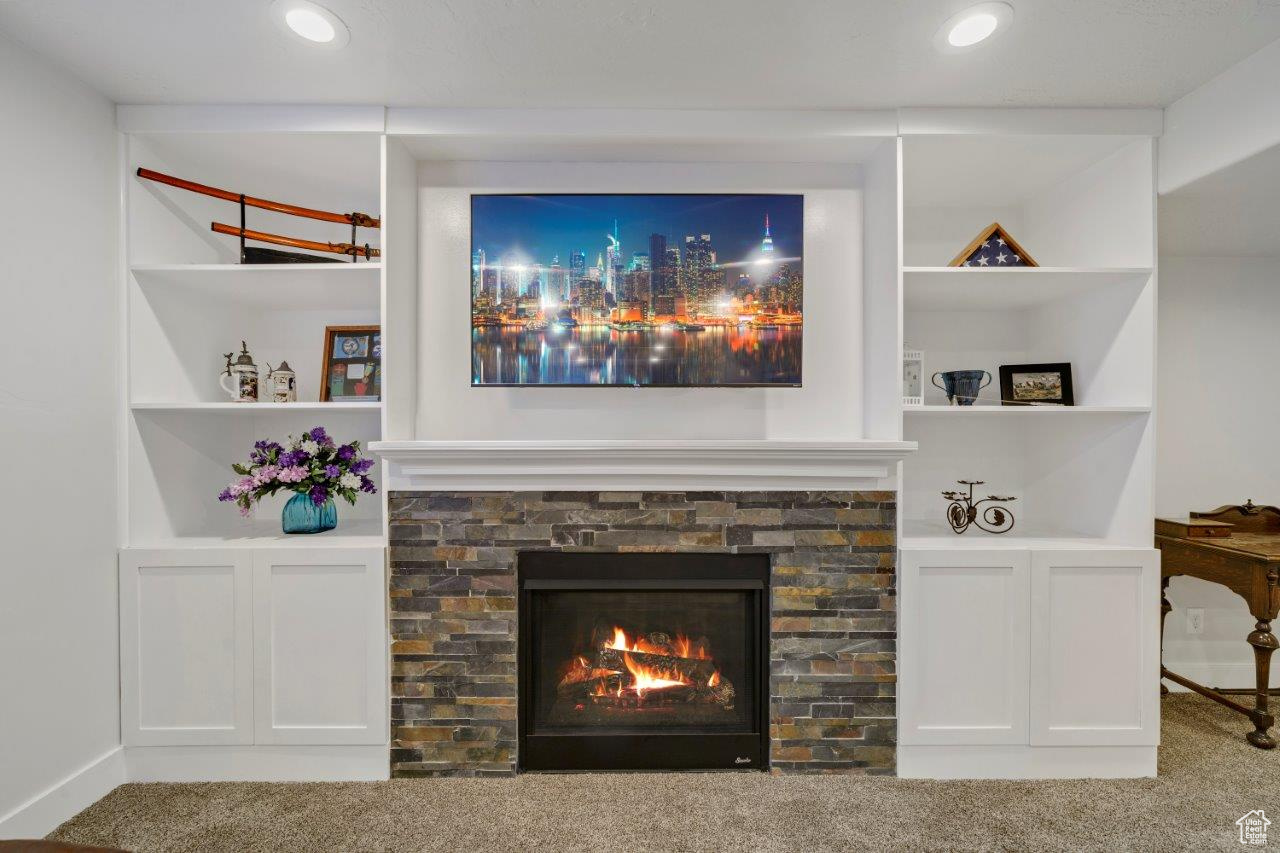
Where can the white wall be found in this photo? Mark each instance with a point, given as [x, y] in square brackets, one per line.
[1223, 121]
[827, 407]
[59, 696]
[1216, 434]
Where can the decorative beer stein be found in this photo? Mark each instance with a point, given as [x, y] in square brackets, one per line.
[243, 376]
[962, 386]
[284, 383]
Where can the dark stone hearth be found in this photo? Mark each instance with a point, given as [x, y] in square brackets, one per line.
[453, 619]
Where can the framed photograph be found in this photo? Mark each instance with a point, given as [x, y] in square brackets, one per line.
[1036, 385]
[352, 364]
[637, 290]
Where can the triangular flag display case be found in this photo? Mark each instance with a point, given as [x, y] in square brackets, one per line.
[993, 248]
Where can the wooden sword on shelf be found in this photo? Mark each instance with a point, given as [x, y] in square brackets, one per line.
[365, 252]
[363, 220]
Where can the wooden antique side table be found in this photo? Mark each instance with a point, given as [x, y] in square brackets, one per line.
[1238, 547]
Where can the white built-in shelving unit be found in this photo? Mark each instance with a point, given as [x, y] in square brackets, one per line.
[1082, 206]
[1044, 637]
[1031, 653]
[189, 301]
[266, 651]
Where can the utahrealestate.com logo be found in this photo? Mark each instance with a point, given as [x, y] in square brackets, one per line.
[1253, 828]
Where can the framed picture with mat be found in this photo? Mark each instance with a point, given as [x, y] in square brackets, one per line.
[352, 371]
[1036, 385]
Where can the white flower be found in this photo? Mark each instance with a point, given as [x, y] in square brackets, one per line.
[310, 447]
[349, 481]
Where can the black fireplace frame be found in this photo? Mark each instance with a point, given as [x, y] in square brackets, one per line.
[600, 571]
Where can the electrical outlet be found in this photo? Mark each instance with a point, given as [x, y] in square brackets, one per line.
[1195, 620]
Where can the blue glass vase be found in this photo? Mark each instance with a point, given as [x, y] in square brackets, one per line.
[301, 515]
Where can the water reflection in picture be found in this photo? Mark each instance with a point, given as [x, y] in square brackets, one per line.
[599, 355]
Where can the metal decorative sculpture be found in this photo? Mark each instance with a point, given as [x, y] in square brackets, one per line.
[964, 511]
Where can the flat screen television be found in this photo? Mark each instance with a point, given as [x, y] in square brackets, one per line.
[645, 290]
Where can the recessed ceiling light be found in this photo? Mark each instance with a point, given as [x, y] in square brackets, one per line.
[313, 26]
[973, 26]
[306, 21]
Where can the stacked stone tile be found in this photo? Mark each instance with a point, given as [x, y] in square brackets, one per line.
[453, 613]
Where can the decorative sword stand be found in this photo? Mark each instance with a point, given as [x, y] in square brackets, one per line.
[255, 254]
[964, 511]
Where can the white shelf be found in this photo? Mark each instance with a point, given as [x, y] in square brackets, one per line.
[356, 533]
[229, 406]
[256, 269]
[1008, 288]
[1023, 411]
[920, 534]
[297, 287]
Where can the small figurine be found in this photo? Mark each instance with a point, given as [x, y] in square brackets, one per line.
[963, 510]
[243, 374]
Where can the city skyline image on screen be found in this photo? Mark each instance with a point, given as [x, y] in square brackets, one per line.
[637, 290]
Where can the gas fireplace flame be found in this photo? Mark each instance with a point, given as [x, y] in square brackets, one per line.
[621, 670]
[680, 646]
[652, 678]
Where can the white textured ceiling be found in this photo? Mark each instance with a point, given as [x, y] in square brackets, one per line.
[818, 54]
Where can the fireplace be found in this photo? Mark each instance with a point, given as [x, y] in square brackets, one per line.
[461, 623]
[642, 661]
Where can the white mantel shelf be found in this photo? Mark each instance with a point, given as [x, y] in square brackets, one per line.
[639, 465]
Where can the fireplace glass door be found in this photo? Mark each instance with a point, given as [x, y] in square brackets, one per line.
[639, 660]
[631, 663]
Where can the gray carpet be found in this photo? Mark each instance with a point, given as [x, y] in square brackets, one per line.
[1208, 777]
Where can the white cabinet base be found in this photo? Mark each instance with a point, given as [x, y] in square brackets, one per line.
[186, 647]
[261, 763]
[1029, 663]
[320, 646]
[256, 664]
[1026, 762]
[1096, 647]
[963, 641]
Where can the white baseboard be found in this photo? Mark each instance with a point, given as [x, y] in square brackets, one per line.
[260, 763]
[1019, 761]
[42, 814]
[1218, 674]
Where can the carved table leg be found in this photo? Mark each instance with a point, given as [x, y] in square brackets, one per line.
[1264, 643]
[1165, 607]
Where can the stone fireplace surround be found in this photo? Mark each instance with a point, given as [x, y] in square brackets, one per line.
[454, 623]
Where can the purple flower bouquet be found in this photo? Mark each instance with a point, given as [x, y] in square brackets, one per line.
[314, 467]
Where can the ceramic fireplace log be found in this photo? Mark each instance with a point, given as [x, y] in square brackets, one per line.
[698, 670]
[722, 694]
[587, 676]
[587, 686]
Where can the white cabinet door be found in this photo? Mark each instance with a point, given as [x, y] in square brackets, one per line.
[320, 646]
[185, 652]
[1096, 643]
[964, 647]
